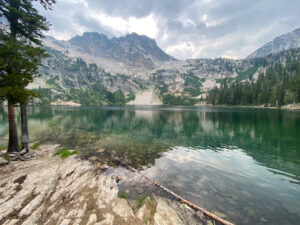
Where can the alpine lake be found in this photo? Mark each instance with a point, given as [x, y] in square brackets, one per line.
[240, 162]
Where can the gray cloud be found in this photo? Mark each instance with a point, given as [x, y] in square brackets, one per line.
[185, 28]
[141, 8]
[91, 24]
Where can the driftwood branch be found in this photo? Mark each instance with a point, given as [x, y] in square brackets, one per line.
[179, 198]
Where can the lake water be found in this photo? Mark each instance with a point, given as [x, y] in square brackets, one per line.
[244, 163]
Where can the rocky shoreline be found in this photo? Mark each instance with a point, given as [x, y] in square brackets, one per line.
[50, 190]
[65, 103]
[291, 107]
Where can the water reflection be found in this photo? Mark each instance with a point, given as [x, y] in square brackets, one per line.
[242, 162]
[229, 181]
[270, 137]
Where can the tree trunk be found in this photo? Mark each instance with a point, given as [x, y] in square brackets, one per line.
[184, 201]
[13, 129]
[24, 127]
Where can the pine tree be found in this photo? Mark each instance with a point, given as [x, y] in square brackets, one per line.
[278, 85]
[21, 55]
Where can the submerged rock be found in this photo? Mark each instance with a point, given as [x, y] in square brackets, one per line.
[102, 167]
[219, 214]
[262, 219]
[100, 150]
[93, 158]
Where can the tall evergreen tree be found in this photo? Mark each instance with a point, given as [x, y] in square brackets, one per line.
[24, 32]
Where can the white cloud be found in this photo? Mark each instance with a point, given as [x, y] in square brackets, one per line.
[143, 26]
[182, 50]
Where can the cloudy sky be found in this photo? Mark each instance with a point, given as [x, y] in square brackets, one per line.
[182, 28]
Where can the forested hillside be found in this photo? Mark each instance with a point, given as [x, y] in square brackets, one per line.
[77, 72]
[277, 85]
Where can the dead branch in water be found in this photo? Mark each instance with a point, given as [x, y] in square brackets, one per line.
[179, 198]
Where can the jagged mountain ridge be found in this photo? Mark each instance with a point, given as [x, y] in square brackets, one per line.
[131, 54]
[283, 42]
[132, 49]
[167, 71]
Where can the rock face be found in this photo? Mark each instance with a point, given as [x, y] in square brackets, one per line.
[63, 72]
[283, 42]
[49, 190]
[133, 49]
[147, 97]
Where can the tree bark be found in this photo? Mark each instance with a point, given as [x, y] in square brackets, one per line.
[13, 129]
[24, 127]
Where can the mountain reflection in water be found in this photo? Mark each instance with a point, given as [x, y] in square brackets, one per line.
[242, 162]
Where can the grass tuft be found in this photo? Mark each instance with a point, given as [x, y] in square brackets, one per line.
[123, 195]
[6, 157]
[3, 148]
[65, 153]
[36, 145]
[142, 199]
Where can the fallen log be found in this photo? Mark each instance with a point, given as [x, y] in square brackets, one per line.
[179, 198]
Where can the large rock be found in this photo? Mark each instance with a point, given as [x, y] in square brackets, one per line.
[148, 97]
[49, 190]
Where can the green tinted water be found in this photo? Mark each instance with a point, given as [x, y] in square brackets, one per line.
[244, 163]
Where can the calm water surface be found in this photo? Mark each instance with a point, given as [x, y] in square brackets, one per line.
[244, 163]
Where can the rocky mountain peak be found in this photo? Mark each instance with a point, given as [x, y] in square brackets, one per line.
[132, 49]
[283, 42]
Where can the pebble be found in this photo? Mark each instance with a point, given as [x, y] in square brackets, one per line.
[209, 222]
[101, 166]
[100, 150]
[262, 219]
[93, 158]
[118, 178]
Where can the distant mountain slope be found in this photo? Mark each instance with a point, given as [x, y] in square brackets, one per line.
[69, 76]
[94, 70]
[283, 42]
[277, 84]
[133, 49]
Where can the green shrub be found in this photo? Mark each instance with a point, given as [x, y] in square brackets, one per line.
[180, 100]
[65, 153]
[247, 74]
[6, 157]
[36, 145]
[191, 80]
[130, 97]
[193, 91]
